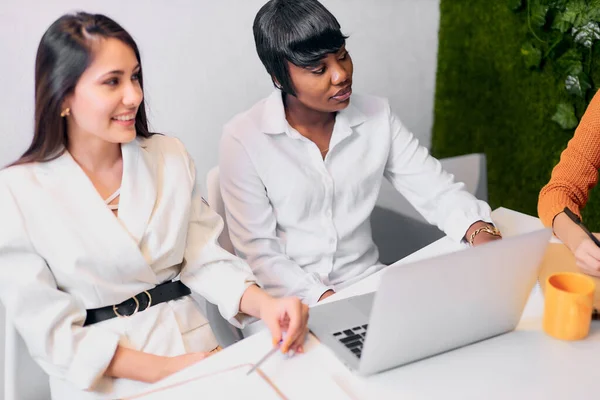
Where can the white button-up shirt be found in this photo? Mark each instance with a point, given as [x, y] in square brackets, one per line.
[301, 221]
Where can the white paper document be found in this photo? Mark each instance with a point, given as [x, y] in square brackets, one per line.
[232, 383]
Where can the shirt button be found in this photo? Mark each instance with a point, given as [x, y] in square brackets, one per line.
[329, 214]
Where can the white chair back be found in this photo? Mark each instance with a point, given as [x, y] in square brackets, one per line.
[397, 227]
[225, 333]
[23, 378]
[216, 203]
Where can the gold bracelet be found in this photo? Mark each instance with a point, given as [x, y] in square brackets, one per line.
[492, 230]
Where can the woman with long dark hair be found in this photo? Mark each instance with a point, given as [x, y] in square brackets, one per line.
[103, 236]
[302, 169]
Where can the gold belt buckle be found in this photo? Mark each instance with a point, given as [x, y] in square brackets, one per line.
[149, 300]
[137, 307]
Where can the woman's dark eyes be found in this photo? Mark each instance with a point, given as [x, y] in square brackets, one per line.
[115, 81]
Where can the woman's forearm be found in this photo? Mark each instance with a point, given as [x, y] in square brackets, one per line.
[568, 232]
[252, 300]
[136, 365]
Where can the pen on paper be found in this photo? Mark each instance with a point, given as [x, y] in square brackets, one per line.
[573, 217]
[265, 358]
[577, 220]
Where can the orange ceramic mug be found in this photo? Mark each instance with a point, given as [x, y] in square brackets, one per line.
[568, 305]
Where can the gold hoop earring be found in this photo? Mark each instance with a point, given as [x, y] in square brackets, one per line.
[65, 112]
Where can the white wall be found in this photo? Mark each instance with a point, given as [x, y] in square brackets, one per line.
[201, 67]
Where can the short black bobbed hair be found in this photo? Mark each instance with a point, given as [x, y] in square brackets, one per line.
[299, 31]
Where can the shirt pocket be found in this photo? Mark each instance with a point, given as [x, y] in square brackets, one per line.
[195, 330]
[187, 313]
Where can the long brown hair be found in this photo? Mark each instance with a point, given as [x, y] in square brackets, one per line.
[63, 55]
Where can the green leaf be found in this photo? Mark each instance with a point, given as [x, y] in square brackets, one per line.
[556, 4]
[570, 63]
[538, 14]
[575, 10]
[587, 34]
[565, 116]
[560, 23]
[531, 55]
[578, 6]
[578, 85]
[594, 10]
[594, 15]
[515, 4]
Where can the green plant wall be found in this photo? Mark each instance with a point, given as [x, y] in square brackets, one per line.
[488, 101]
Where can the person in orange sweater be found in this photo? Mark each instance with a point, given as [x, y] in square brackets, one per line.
[572, 179]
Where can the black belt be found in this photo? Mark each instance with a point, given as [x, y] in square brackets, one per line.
[164, 292]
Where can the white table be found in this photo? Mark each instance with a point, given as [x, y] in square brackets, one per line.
[523, 364]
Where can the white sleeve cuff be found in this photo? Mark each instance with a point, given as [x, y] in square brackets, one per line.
[94, 353]
[235, 317]
[459, 222]
[222, 283]
[315, 293]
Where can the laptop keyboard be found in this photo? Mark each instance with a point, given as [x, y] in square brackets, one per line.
[353, 338]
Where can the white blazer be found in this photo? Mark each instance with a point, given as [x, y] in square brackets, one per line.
[62, 251]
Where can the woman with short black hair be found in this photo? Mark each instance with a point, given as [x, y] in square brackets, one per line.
[302, 169]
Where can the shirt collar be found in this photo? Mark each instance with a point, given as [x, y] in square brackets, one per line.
[273, 117]
[274, 122]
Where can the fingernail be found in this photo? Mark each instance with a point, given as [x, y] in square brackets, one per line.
[284, 349]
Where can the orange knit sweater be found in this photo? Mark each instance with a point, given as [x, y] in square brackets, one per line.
[577, 171]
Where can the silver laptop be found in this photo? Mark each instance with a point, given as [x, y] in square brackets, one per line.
[431, 306]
